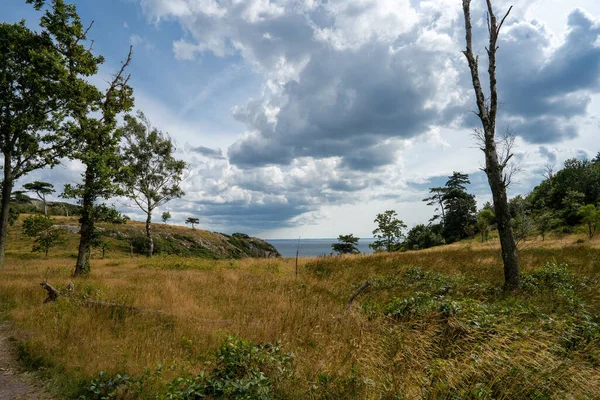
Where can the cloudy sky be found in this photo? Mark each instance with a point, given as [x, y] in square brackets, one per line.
[309, 117]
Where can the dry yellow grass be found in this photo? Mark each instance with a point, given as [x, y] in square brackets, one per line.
[337, 354]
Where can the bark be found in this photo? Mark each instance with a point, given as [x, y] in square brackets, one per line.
[150, 242]
[82, 267]
[7, 187]
[494, 167]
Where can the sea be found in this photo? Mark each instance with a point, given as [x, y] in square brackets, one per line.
[313, 247]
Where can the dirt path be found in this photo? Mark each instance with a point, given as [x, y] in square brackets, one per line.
[15, 385]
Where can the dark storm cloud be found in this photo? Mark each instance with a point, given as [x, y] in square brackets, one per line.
[208, 152]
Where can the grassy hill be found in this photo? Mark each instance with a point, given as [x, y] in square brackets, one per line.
[130, 237]
[434, 324]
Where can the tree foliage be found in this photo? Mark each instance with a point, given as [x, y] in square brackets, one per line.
[346, 244]
[165, 216]
[41, 227]
[423, 237]
[152, 175]
[34, 95]
[590, 216]
[460, 207]
[192, 221]
[388, 232]
[91, 126]
[41, 189]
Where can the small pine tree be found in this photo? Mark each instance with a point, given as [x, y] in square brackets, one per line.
[347, 244]
[166, 216]
[192, 221]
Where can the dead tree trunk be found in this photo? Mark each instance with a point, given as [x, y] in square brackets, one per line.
[494, 166]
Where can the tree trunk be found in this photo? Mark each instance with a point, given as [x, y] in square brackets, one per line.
[82, 267]
[494, 167]
[510, 256]
[150, 242]
[7, 186]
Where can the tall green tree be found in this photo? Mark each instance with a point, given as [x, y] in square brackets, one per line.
[388, 232]
[460, 207]
[152, 175]
[34, 92]
[92, 130]
[436, 199]
[42, 189]
[346, 244]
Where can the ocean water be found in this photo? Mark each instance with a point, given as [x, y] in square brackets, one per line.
[313, 247]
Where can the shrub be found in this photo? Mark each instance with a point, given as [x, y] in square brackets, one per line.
[242, 371]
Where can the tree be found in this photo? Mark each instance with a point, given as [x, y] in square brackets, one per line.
[436, 199]
[42, 189]
[166, 216]
[545, 222]
[388, 231]
[461, 207]
[41, 227]
[192, 221]
[423, 237]
[590, 216]
[485, 219]
[33, 94]
[346, 244]
[100, 243]
[91, 129]
[495, 165]
[152, 174]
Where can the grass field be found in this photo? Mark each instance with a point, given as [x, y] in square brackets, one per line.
[433, 324]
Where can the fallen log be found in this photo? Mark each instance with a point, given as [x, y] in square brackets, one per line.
[52, 292]
[358, 291]
[53, 295]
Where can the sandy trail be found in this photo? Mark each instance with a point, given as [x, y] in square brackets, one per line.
[15, 385]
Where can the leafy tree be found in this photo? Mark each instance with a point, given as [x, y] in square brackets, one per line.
[13, 216]
[41, 227]
[436, 199]
[152, 174]
[104, 213]
[346, 244]
[460, 208]
[91, 128]
[423, 237]
[166, 216]
[99, 242]
[34, 91]
[545, 222]
[388, 231]
[42, 189]
[497, 166]
[485, 219]
[590, 216]
[192, 221]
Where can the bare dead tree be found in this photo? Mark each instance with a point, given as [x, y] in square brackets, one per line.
[495, 163]
[548, 173]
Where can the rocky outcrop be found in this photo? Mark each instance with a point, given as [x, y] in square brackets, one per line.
[192, 242]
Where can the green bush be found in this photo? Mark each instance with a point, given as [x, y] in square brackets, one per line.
[242, 371]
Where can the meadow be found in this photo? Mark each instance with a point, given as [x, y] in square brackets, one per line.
[433, 324]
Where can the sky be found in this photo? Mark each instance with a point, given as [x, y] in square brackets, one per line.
[308, 117]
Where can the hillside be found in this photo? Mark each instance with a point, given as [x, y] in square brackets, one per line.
[170, 240]
[433, 324]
